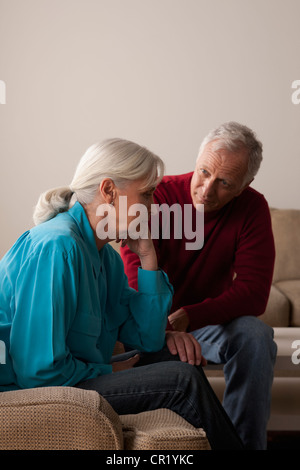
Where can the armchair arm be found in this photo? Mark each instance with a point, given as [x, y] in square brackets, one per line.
[58, 418]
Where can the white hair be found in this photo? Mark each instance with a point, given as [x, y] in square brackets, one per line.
[233, 136]
[121, 160]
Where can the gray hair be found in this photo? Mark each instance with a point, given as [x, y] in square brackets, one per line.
[233, 136]
[121, 160]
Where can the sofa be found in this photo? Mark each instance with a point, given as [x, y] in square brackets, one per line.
[283, 314]
[67, 418]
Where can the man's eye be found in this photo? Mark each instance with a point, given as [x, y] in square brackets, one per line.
[204, 172]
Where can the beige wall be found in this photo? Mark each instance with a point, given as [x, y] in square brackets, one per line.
[160, 72]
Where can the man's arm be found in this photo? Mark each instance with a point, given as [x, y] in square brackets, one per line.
[253, 267]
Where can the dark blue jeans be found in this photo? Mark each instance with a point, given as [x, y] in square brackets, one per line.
[161, 380]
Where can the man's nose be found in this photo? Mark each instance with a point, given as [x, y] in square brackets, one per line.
[208, 187]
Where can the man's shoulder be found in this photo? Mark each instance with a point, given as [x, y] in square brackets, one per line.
[251, 205]
[252, 196]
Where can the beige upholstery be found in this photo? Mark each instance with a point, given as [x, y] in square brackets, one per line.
[286, 229]
[66, 418]
[277, 313]
[283, 308]
[291, 289]
[58, 418]
[161, 430]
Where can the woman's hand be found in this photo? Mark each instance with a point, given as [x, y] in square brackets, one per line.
[144, 248]
[186, 346]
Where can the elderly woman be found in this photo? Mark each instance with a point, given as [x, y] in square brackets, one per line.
[65, 300]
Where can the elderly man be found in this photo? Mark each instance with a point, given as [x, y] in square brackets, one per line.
[221, 288]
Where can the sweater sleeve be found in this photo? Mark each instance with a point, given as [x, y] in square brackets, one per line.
[253, 271]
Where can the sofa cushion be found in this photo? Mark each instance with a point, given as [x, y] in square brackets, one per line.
[291, 289]
[286, 229]
[161, 429]
[277, 313]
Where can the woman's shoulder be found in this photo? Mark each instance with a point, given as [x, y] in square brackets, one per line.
[55, 235]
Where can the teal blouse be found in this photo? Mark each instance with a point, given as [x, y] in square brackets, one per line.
[63, 305]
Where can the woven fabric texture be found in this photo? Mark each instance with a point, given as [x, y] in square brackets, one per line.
[58, 418]
[66, 418]
[161, 429]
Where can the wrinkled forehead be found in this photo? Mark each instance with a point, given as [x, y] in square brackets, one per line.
[235, 147]
[223, 152]
[225, 163]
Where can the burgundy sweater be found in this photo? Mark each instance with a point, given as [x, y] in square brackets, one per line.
[231, 274]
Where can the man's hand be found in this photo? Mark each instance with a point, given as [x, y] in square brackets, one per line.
[179, 320]
[186, 346]
[127, 364]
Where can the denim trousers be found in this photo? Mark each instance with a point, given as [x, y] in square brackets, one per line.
[161, 380]
[246, 348]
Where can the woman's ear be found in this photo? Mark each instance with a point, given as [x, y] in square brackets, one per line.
[107, 190]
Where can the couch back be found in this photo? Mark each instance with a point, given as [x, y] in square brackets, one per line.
[286, 229]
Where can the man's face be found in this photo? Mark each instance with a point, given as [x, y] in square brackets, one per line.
[218, 177]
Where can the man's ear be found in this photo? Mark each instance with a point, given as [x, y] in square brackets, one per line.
[107, 190]
[244, 187]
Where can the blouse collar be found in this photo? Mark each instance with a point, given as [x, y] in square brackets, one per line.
[77, 212]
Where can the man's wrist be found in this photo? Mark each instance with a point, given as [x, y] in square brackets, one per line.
[179, 320]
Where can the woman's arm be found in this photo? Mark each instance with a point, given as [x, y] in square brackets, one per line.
[45, 305]
[150, 305]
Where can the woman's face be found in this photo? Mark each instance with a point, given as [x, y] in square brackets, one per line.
[133, 208]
